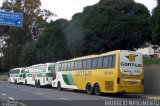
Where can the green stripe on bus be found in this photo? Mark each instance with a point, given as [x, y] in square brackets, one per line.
[68, 79]
[39, 74]
[65, 78]
[28, 75]
[16, 75]
[71, 79]
[44, 75]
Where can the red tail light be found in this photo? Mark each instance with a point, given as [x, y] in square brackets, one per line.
[47, 79]
[118, 80]
[142, 81]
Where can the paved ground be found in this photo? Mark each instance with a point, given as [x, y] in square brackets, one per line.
[31, 96]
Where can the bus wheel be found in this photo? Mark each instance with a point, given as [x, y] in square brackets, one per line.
[89, 89]
[36, 83]
[97, 89]
[119, 94]
[59, 86]
[15, 81]
[26, 83]
[39, 84]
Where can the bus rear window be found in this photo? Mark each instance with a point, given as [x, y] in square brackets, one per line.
[109, 61]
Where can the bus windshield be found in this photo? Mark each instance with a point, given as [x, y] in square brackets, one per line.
[15, 71]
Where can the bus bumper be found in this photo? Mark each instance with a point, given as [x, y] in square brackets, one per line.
[130, 89]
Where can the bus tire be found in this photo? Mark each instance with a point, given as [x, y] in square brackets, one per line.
[39, 84]
[89, 89]
[59, 86]
[15, 81]
[119, 94]
[26, 83]
[36, 83]
[97, 89]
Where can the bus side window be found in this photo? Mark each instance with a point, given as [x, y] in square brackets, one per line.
[99, 62]
[105, 62]
[76, 65]
[110, 61]
[59, 67]
[89, 63]
[66, 66]
[84, 64]
[80, 64]
[62, 66]
[72, 65]
[94, 63]
[113, 61]
[69, 66]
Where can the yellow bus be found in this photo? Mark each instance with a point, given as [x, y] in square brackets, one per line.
[118, 72]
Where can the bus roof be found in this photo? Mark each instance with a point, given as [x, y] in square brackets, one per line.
[84, 57]
[90, 56]
[18, 68]
[97, 55]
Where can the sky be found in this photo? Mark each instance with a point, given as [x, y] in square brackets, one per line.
[67, 8]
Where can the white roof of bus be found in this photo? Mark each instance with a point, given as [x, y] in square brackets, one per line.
[37, 65]
[49, 63]
[18, 68]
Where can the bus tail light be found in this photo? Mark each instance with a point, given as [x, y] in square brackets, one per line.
[47, 79]
[118, 80]
[142, 81]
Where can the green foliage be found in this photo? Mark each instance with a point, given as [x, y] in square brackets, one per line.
[151, 60]
[49, 47]
[53, 42]
[28, 55]
[155, 26]
[11, 55]
[4, 73]
[34, 18]
[109, 25]
[158, 2]
[105, 26]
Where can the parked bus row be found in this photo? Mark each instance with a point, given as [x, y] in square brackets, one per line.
[119, 71]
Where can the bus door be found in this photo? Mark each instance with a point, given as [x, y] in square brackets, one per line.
[53, 72]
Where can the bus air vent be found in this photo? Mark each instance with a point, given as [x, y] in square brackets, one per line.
[109, 85]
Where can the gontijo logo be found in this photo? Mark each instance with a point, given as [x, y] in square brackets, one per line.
[131, 57]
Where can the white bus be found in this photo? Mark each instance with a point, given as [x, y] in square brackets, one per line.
[39, 75]
[16, 75]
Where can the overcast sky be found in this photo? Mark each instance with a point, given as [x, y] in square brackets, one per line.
[66, 8]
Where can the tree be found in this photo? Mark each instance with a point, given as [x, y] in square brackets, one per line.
[49, 47]
[158, 2]
[109, 25]
[155, 26]
[34, 18]
[28, 55]
[52, 45]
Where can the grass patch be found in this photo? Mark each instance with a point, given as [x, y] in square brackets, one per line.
[151, 60]
[3, 73]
